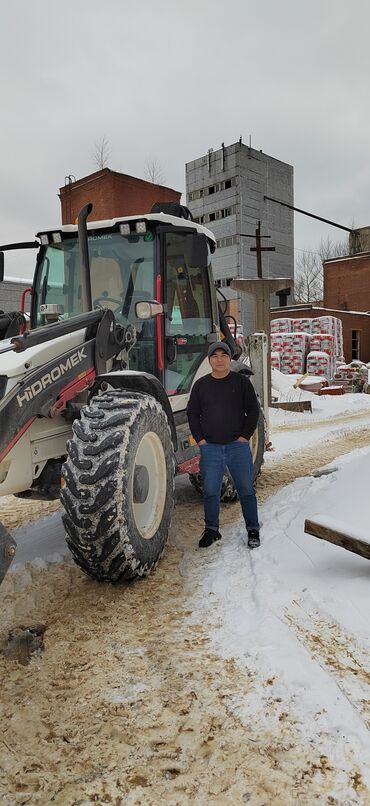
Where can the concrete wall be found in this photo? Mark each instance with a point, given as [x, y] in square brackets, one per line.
[10, 295]
[359, 241]
[112, 195]
[347, 283]
[251, 175]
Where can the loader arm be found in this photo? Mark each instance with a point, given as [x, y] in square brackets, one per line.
[45, 391]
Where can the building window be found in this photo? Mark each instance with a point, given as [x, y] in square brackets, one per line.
[230, 240]
[210, 189]
[216, 216]
[355, 344]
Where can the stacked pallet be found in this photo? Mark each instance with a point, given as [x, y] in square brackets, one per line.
[302, 325]
[319, 364]
[289, 352]
[307, 345]
[321, 356]
[276, 359]
[281, 325]
[332, 326]
[293, 360]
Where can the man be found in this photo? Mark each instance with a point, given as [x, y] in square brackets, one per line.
[223, 412]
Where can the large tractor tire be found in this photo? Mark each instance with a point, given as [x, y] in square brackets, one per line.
[228, 491]
[118, 486]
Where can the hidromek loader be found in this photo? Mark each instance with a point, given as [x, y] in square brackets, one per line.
[94, 395]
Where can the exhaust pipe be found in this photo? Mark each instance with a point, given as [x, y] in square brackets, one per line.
[84, 257]
[8, 549]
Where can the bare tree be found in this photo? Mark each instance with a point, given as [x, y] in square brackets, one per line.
[309, 281]
[101, 152]
[153, 171]
[308, 284]
[328, 248]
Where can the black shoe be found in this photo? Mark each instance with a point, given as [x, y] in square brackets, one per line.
[253, 539]
[209, 536]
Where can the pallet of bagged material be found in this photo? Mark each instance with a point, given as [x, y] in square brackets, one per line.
[282, 325]
[327, 529]
[276, 359]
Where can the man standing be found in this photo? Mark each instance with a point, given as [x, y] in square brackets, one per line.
[223, 412]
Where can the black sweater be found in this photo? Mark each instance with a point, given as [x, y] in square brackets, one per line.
[221, 410]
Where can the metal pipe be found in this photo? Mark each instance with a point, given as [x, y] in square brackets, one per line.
[84, 257]
[311, 215]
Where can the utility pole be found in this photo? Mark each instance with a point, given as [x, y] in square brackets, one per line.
[258, 248]
[261, 289]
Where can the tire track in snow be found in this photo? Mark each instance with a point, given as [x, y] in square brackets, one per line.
[337, 651]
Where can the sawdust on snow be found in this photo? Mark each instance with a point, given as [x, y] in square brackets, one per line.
[130, 704]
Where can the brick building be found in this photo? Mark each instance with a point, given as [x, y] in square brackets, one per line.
[11, 290]
[347, 283]
[112, 195]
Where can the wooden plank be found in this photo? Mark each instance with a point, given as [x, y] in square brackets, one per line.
[345, 541]
[293, 405]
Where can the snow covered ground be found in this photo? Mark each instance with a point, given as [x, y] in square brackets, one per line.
[296, 612]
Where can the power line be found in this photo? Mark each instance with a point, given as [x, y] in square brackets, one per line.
[306, 251]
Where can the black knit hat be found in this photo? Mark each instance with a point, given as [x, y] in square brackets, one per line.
[219, 345]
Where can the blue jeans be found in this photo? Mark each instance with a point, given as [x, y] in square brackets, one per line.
[237, 457]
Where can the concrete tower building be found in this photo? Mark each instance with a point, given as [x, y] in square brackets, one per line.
[226, 192]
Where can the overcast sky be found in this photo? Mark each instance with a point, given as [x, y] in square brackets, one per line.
[170, 79]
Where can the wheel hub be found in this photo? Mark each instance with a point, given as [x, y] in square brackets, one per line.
[141, 484]
[149, 484]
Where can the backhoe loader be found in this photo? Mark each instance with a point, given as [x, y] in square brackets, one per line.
[93, 396]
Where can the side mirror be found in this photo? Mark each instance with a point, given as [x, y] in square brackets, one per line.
[146, 310]
[1, 266]
[196, 252]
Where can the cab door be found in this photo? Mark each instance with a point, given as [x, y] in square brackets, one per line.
[188, 319]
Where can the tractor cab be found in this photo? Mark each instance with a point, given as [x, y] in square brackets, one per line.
[156, 258]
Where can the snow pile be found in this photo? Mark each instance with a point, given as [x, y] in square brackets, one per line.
[295, 614]
[283, 387]
[324, 408]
